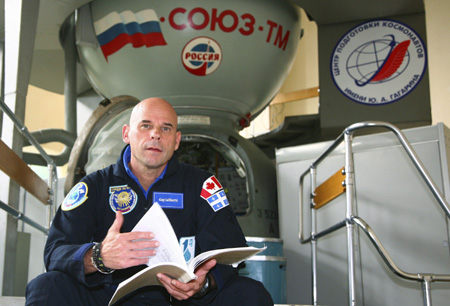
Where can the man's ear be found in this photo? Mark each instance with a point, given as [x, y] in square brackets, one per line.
[178, 139]
[125, 131]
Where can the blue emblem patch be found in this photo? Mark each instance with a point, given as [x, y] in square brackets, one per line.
[77, 195]
[122, 198]
[218, 200]
[187, 245]
[169, 200]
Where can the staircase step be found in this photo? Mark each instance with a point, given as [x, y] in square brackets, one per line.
[12, 300]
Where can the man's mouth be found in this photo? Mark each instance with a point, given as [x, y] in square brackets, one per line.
[153, 149]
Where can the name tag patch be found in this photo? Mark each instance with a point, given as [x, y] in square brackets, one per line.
[169, 199]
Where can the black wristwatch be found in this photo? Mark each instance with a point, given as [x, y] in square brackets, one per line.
[205, 289]
[97, 260]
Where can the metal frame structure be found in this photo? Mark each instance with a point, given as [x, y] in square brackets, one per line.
[52, 175]
[351, 220]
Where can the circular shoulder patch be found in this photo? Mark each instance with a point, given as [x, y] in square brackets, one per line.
[76, 197]
[122, 198]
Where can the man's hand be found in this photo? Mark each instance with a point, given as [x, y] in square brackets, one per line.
[182, 291]
[123, 250]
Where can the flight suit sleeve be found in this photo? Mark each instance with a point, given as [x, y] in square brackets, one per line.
[71, 236]
[218, 228]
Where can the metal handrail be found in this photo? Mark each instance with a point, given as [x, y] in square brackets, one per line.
[351, 219]
[388, 260]
[412, 155]
[18, 215]
[407, 146]
[425, 278]
[51, 166]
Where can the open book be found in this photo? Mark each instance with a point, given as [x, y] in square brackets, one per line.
[169, 257]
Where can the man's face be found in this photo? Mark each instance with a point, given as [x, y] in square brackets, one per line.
[152, 135]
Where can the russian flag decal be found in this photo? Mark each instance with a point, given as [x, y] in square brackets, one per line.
[116, 30]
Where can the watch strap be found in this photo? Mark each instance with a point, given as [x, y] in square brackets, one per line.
[97, 260]
[205, 289]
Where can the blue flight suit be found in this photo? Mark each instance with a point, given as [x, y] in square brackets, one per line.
[88, 212]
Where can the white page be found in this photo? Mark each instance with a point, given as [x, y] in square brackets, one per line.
[156, 221]
[226, 256]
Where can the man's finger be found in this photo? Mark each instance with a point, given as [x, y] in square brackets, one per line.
[205, 267]
[117, 225]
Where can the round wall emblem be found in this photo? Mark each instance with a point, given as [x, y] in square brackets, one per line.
[378, 62]
[201, 56]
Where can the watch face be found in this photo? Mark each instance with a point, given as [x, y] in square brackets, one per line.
[206, 285]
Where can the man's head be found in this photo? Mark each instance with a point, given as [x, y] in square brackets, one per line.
[152, 134]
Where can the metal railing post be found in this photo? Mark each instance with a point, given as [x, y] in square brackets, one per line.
[349, 180]
[426, 288]
[53, 184]
[313, 233]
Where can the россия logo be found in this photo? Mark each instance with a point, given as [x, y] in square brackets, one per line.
[378, 62]
[201, 56]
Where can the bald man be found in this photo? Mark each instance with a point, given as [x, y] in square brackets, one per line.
[91, 249]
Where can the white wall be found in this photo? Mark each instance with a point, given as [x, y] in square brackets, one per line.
[438, 32]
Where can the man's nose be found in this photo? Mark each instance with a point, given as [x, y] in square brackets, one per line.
[154, 134]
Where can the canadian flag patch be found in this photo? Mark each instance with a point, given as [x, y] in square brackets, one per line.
[210, 187]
